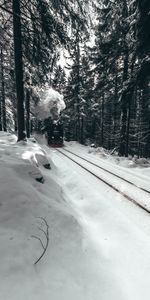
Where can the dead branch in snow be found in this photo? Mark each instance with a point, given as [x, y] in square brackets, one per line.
[46, 234]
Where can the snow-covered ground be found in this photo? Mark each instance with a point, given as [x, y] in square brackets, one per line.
[99, 244]
[142, 165]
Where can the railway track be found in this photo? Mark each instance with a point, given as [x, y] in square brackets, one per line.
[108, 171]
[76, 158]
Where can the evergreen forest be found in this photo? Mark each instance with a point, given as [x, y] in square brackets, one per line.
[94, 52]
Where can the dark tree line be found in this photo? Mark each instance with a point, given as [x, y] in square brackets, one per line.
[107, 91]
[114, 106]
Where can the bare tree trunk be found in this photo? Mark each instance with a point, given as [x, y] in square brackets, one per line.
[28, 113]
[1, 105]
[82, 130]
[0, 115]
[18, 69]
[128, 124]
[77, 88]
[115, 111]
[102, 121]
[124, 103]
[123, 131]
[3, 108]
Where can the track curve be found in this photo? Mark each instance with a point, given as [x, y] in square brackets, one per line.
[128, 181]
[131, 199]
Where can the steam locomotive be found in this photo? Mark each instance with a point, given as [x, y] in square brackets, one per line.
[54, 133]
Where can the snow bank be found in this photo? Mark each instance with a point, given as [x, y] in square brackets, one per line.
[130, 162]
[98, 246]
[26, 206]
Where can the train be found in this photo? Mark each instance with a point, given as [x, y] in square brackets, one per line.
[54, 133]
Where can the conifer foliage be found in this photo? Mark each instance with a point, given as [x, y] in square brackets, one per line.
[118, 70]
[35, 31]
[105, 78]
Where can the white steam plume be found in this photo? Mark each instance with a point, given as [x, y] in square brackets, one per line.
[51, 104]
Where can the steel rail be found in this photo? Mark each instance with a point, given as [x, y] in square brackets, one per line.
[128, 181]
[104, 181]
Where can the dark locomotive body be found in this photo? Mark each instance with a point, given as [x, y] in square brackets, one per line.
[54, 133]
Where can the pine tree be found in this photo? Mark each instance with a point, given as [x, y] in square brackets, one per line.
[17, 34]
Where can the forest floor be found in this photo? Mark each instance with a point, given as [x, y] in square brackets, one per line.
[96, 244]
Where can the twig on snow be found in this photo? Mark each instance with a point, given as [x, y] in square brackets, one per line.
[46, 233]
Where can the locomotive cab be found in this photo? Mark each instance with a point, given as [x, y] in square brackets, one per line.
[54, 133]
